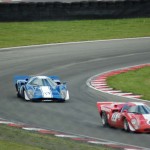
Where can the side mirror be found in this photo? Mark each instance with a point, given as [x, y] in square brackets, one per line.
[22, 83]
[64, 83]
[58, 83]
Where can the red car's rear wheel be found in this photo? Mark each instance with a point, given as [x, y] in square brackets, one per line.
[104, 119]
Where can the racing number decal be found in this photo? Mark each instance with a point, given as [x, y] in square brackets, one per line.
[47, 93]
[115, 116]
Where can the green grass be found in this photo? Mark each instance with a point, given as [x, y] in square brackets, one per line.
[30, 33]
[137, 82]
[12, 138]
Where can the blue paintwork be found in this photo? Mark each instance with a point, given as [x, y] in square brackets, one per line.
[23, 83]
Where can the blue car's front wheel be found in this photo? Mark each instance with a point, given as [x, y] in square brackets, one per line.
[18, 95]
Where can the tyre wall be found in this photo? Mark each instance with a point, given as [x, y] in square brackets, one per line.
[42, 11]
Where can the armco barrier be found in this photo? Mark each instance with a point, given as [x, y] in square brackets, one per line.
[76, 10]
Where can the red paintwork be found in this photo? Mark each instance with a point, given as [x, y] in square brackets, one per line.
[116, 117]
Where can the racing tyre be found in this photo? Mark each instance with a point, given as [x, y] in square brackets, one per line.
[104, 119]
[126, 125]
[18, 95]
[16, 87]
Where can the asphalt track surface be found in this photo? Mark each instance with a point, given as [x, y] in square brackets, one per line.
[75, 63]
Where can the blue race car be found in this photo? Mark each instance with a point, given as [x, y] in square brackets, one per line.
[44, 88]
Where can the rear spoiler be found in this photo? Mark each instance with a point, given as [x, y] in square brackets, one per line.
[99, 104]
[20, 77]
[55, 78]
[25, 77]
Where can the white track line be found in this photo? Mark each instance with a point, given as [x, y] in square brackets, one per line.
[68, 43]
[95, 85]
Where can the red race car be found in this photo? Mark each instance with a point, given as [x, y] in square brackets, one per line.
[131, 116]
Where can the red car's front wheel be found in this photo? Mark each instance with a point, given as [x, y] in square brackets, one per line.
[126, 125]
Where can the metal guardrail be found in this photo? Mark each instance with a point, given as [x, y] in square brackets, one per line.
[76, 10]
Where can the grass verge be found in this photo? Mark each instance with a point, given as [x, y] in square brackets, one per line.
[18, 139]
[30, 33]
[137, 82]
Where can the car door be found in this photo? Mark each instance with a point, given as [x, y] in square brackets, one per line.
[116, 119]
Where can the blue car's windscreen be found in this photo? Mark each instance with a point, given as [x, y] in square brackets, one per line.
[42, 82]
[49, 82]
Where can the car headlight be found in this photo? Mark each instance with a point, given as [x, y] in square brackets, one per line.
[135, 123]
[148, 122]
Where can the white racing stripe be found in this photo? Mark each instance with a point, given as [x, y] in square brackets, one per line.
[46, 92]
[147, 117]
